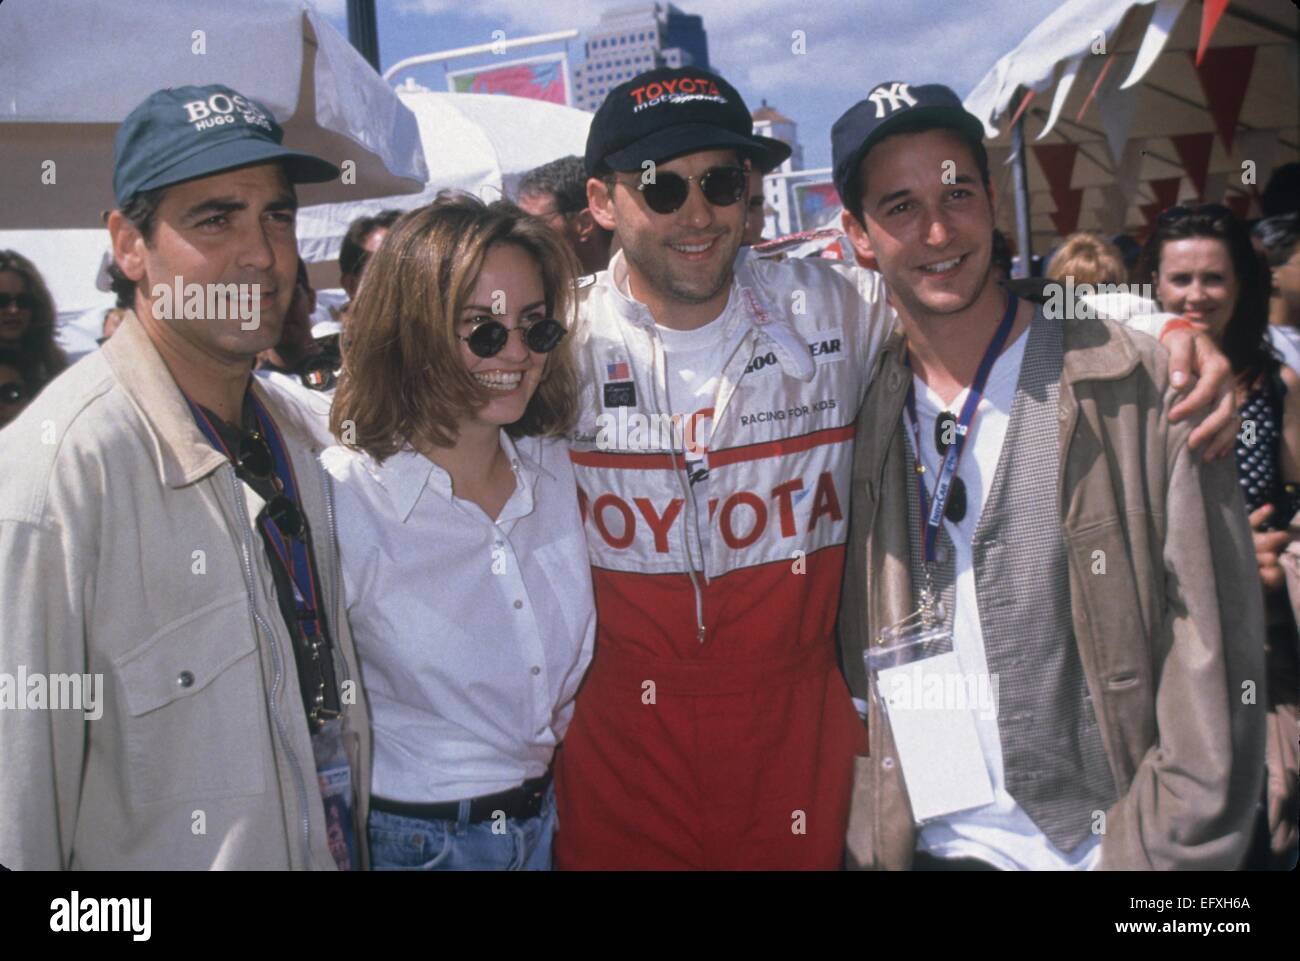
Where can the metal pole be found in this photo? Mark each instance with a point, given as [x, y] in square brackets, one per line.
[1020, 177]
[496, 46]
[363, 32]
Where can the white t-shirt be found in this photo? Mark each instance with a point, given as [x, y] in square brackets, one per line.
[694, 361]
[1001, 833]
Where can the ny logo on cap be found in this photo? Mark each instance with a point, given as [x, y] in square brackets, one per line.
[896, 93]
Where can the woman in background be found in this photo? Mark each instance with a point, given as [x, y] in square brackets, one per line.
[1204, 267]
[27, 320]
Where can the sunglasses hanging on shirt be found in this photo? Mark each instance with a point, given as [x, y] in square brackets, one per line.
[254, 459]
[945, 435]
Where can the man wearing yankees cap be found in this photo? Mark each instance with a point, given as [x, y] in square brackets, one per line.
[1032, 537]
[172, 542]
[713, 453]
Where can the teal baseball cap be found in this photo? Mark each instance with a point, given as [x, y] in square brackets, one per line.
[182, 133]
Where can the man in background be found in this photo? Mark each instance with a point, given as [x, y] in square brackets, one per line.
[557, 193]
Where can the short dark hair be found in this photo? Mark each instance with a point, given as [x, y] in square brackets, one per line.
[352, 252]
[564, 179]
[1278, 235]
[141, 209]
[122, 286]
[856, 188]
[1282, 192]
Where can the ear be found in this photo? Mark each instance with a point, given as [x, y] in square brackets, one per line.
[601, 203]
[857, 235]
[127, 245]
[584, 225]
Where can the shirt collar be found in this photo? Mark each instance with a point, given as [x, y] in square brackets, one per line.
[408, 473]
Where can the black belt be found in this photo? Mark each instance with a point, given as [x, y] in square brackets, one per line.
[522, 802]
[924, 861]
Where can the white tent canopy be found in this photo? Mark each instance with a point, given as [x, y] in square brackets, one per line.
[482, 143]
[1115, 84]
[71, 70]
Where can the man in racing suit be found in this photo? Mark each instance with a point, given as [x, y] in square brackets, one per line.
[713, 453]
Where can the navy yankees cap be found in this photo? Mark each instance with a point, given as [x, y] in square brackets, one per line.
[187, 132]
[671, 111]
[893, 107]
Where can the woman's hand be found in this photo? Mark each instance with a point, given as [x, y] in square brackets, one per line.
[1269, 546]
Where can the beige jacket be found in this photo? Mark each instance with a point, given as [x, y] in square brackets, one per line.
[1170, 637]
[128, 551]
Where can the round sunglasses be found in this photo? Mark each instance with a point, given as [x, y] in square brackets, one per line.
[489, 337]
[721, 186]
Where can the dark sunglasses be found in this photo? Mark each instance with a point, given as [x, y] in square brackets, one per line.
[22, 301]
[255, 460]
[12, 393]
[489, 338]
[722, 187]
[945, 435]
[1181, 212]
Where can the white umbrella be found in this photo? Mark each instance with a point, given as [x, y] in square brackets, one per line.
[71, 70]
[483, 143]
[1149, 133]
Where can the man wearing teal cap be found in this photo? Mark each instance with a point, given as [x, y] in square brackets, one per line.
[190, 696]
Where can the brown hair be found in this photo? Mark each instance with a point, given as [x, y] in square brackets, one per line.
[403, 376]
[1088, 258]
[42, 356]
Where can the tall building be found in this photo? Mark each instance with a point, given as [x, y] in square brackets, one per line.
[778, 191]
[630, 40]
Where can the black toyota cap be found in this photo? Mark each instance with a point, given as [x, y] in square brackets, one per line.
[893, 107]
[667, 112]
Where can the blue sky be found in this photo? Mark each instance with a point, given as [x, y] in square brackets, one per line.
[851, 44]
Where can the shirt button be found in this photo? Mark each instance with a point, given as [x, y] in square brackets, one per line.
[887, 763]
[185, 679]
[536, 670]
[518, 604]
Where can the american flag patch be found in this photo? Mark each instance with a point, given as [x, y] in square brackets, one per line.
[618, 371]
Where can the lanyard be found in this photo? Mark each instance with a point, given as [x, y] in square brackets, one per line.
[932, 510]
[294, 554]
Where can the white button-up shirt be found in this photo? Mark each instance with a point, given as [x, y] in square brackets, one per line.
[473, 635]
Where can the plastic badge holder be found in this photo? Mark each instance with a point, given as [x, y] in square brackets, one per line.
[938, 746]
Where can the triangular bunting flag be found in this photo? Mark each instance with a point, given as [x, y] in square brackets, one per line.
[1211, 11]
[1239, 204]
[1166, 191]
[1066, 215]
[1056, 160]
[1224, 75]
[1194, 153]
[1117, 108]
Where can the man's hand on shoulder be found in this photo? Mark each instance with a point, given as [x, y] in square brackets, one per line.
[1201, 372]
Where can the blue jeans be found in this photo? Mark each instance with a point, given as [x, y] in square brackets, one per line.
[399, 843]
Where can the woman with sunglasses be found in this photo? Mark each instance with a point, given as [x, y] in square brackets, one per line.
[14, 394]
[27, 319]
[465, 566]
[1203, 266]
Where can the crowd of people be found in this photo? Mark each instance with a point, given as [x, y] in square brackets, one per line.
[585, 536]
